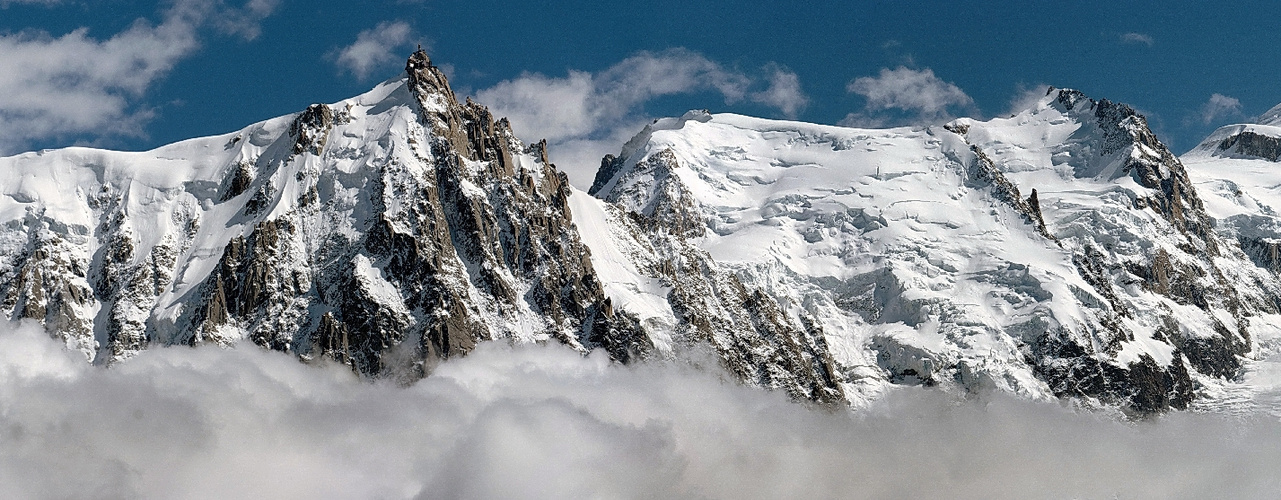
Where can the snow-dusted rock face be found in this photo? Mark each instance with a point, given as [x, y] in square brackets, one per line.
[384, 231]
[1060, 252]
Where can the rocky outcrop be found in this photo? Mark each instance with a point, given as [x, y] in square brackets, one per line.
[609, 168]
[311, 129]
[44, 275]
[984, 174]
[1249, 143]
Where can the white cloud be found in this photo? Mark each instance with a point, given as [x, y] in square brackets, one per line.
[1219, 107]
[1138, 38]
[245, 21]
[374, 47]
[555, 108]
[908, 95]
[784, 93]
[582, 104]
[581, 109]
[545, 422]
[54, 87]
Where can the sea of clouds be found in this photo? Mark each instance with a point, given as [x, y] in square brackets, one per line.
[547, 422]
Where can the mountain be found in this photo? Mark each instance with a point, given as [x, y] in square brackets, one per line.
[384, 231]
[1061, 252]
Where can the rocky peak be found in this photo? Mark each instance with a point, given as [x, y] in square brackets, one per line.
[404, 228]
[311, 128]
[612, 167]
[425, 78]
[1117, 141]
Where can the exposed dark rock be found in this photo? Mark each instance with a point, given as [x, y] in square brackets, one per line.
[983, 173]
[668, 204]
[1264, 251]
[609, 167]
[1251, 144]
[241, 177]
[1143, 387]
[311, 128]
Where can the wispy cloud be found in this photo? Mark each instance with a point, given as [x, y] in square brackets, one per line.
[245, 21]
[1219, 107]
[52, 87]
[584, 115]
[1025, 97]
[374, 48]
[1139, 38]
[905, 95]
[784, 92]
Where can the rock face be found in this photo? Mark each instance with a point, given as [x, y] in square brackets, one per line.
[385, 232]
[1250, 143]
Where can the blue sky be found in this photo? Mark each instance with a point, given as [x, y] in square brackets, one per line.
[135, 75]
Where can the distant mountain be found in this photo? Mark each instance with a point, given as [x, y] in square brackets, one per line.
[1062, 252]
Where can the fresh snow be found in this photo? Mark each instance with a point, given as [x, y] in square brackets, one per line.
[614, 257]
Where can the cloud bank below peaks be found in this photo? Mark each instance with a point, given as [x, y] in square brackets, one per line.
[586, 115]
[546, 422]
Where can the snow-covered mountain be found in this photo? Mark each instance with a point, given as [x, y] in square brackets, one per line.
[384, 231]
[1061, 252]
